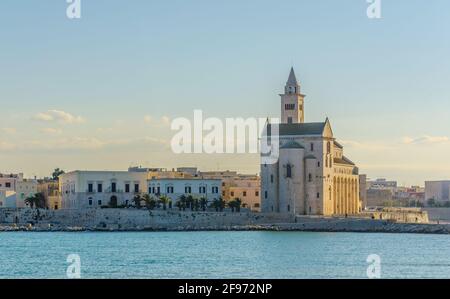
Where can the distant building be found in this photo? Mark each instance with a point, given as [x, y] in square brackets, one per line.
[246, 188]
[7, 199]
[174, 188]
[437, 190]
[382, 184]
[363, 190]
[379, 197]
[94, 189]
[50, 190]
[193, 171]
[15, 190]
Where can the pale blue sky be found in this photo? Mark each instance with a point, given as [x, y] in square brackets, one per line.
[383, 83]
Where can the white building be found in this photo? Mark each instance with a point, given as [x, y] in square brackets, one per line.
[8, 199]
[437, 190]
[93, 189]
[174, 188]
[15, 189]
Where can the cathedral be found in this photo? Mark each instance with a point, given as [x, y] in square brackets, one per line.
[312, 176]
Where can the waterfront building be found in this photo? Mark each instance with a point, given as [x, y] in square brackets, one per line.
[246, 188]
[15, 189]
[439, 191]
[312, 175]
[94, 189]
[7, 199]
[50, 190]
[174, 188]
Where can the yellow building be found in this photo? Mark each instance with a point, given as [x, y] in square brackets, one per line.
[50, 190]
[239, 186]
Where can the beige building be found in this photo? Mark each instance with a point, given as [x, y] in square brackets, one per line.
[247, 188]
[16, 189]
[50, 190]
[312, 175]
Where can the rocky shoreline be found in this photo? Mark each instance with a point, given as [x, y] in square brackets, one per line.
[375, 227]
[133, 220]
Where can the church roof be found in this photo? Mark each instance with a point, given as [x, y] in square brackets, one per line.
[292, 145]
[292, 81]
[344, 161]
[300, 129]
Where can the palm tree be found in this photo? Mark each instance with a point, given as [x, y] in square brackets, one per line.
[190, 202]
[181, 203]
[218, 204]
[238, 204]
[235, 205]
[232, 204]
[137, 201]
[37, 200]
[196, 204]
[150, 202]
[203, 203]
[30, 201]
[164, 200]
[221, 204]
[215, 204]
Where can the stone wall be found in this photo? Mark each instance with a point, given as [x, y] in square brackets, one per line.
[133, 219]
[401, 215]
[360, 225]
[438, 214]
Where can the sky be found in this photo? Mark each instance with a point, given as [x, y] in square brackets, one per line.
[100, 92]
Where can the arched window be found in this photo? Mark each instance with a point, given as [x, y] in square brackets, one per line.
[328, 147]
[289, 171]
[310, 177]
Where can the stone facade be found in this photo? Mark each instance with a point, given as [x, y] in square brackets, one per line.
[312, 176]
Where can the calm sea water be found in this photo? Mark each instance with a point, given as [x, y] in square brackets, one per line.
[223, 255]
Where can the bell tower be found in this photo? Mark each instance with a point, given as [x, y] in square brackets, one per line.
[292, 102]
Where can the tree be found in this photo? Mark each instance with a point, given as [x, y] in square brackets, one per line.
[137, 201]
[190, 202]
[164, 200]
[196, 204]
[215, 204]
[222, 204]
[218, 204]
[56, 173]
[150, 202]
[203, 203]
[37, 200]
[235, 205]
[181, 203]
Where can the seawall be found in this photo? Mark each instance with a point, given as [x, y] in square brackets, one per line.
[144, 220]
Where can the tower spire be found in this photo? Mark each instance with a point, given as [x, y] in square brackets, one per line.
[292, 101]
[292, 86]
[292, 80]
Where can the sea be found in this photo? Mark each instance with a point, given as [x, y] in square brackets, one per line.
[231, 255]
